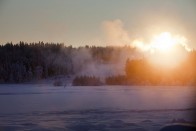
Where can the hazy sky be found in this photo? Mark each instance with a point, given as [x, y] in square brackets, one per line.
[81, 22]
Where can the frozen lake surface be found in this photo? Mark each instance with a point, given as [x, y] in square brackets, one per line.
[138, 108]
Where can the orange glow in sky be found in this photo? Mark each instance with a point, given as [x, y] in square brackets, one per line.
[165, 49]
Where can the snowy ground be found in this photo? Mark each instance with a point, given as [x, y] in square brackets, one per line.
[137, 108]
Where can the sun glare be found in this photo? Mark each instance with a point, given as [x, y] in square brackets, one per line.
[163, 41]
[169, 50]
[164, 49]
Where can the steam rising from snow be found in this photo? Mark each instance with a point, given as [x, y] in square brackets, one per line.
[117, 35]
[85, 64]
[171, 48]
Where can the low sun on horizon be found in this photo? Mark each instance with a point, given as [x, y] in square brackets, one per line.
[165, 49]
[165, 42]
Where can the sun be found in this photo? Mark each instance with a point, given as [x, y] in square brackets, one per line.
[163, 41]
[164, 49]
[167, 50]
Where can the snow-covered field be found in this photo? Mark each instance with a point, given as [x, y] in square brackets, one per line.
[137, 108]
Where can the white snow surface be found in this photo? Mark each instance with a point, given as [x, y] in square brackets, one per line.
[139, 108]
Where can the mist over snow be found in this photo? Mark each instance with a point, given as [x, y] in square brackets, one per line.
[85, 64]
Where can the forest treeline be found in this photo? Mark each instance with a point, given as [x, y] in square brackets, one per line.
[33, 61]
[141, 72]
[86, 81]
